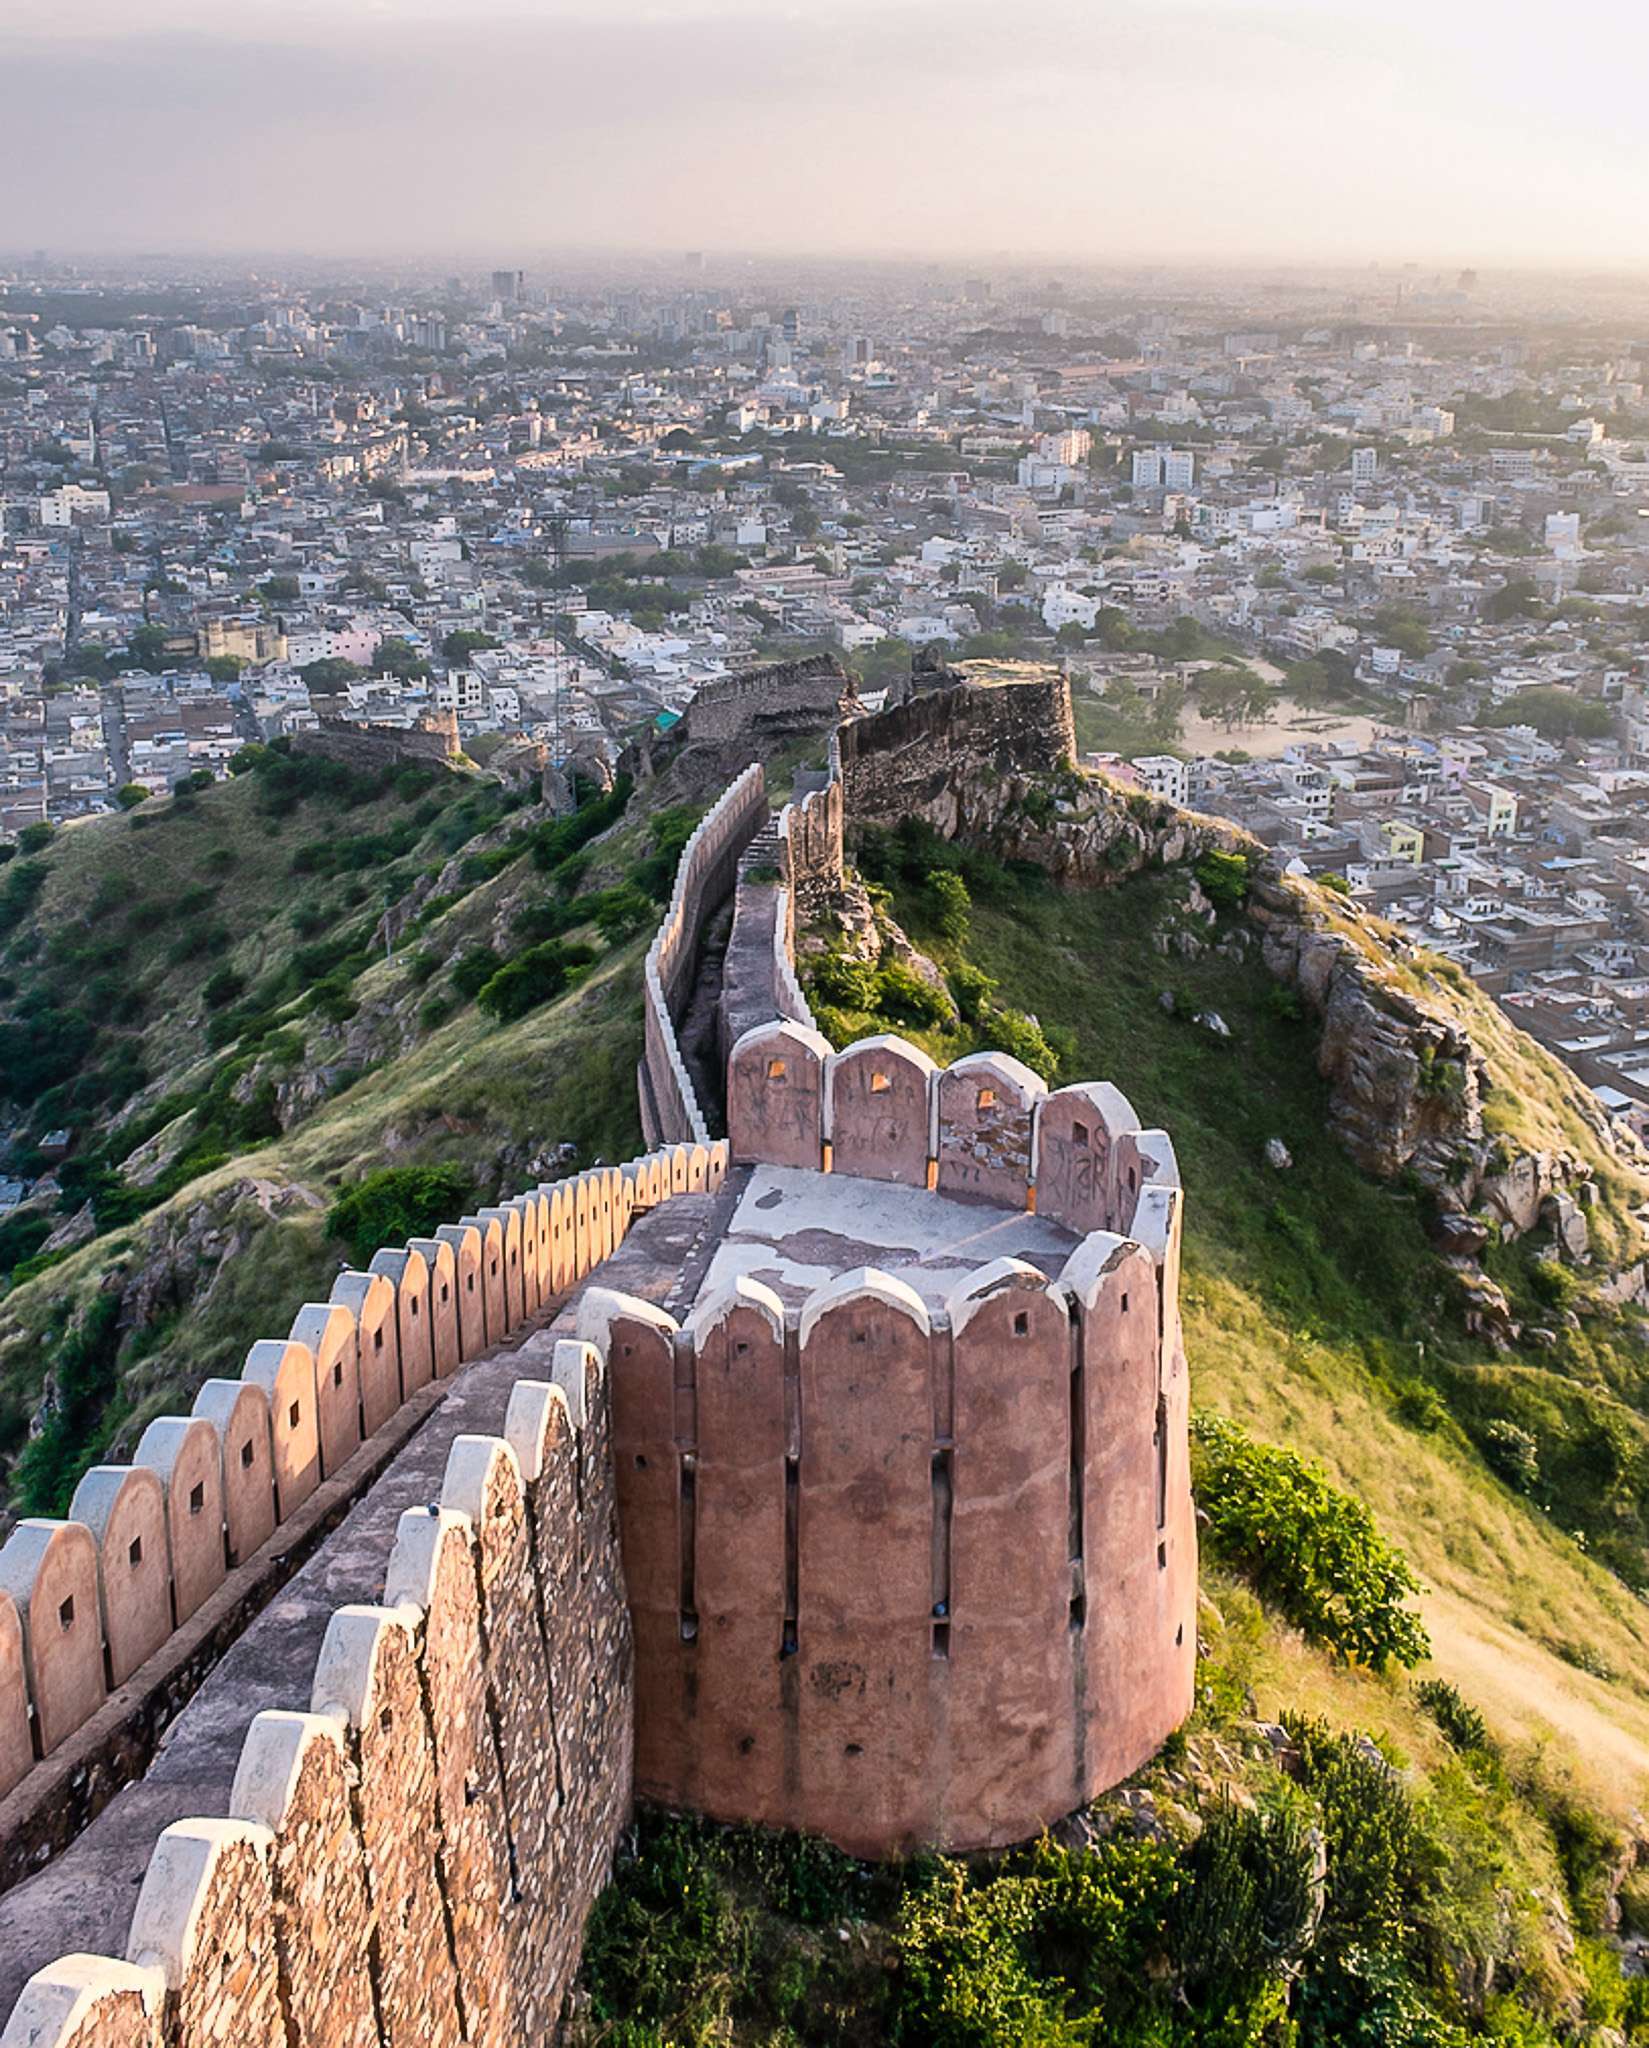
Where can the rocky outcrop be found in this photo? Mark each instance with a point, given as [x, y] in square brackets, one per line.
[1405, 1079]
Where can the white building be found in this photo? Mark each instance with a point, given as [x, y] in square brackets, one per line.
[1365, 466]
[1179, 469]
[1147, 469]
[1163, 775]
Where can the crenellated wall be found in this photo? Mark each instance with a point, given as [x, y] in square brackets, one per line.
[670, 1109]
[153, 1551]
[413, 1845]
[912, 1567]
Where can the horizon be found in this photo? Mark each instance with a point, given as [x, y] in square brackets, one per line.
[1178, 132]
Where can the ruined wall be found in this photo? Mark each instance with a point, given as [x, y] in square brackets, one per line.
[922, 756]
[905, 1574]
[670, 1109]
[770, 703]
[160, 1561]
[370, 749]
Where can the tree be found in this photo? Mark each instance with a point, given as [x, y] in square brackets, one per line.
[1516, 598]
[147, 647]
[457, 647]
[224, 668]
[1012, 576]
[130, 795]
[398, 657]
[330, 673]
[1403, 629]
[279, 589]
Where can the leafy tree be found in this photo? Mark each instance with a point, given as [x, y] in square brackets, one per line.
[396, 656]
[280, 589]
[330, 673]
[1517, 598]
[457, 647]
[225, 668]
[147, 648]
[130, 795]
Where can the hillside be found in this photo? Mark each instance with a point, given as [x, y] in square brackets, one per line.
[440, 975]
[241, 1001]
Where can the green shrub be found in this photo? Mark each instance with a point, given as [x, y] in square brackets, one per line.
[948, 903]
[474, 969]
[1513, 1453]
[1553, 1283]
[1311, 1549]
[846, 984]
[1223, 878]
[531, 978]
[1462, 1725]
[903, 996]
[397, 1202]
[226, 986]
[972, 988]
[1011, 1031]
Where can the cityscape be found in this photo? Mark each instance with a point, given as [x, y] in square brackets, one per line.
[1354, 560]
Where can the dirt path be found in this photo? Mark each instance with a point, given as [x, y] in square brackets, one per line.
[1528, 1692]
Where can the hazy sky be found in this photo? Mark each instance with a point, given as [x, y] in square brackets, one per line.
[1452, 131]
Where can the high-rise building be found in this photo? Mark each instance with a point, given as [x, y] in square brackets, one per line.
[1147, 469]
[1365, 465]
[508, 285]
[1179, 469]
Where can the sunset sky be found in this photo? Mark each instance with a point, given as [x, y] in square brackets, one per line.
[1456, 132]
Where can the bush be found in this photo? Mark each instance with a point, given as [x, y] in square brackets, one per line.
[397, 1202]
[1513, 1453]
[903, 996]
[226, 986]
[1011, 1031]
[1311, 1549]
[1223, 878]
[533, 977]
[1463, 1727]
[846, 984]
[948, 904]
[475, 968]
[1554, 1284]
[130, 795]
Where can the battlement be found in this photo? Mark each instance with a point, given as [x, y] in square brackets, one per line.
[777, 698]
[86, 1603]
[905, 1494]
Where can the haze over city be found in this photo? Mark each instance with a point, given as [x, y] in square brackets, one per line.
[1172, 130]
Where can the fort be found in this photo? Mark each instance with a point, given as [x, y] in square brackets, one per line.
[829, 1474]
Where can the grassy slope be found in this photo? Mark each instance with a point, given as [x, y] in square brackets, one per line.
[493, 1099]
[1317, 1314]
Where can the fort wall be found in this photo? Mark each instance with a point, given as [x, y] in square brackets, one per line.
[907, 1571]
[917, 758]
[670, 1108]
[369, 749]
[771, 701]
[413, 1844]
[90, 1605]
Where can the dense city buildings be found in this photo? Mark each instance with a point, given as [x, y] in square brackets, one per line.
[1356, 560]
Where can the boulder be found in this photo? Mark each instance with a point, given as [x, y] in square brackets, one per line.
[1277, 1155]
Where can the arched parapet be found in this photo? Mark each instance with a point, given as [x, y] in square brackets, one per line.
[576, 1368]
[328, 1328]
[483, 1482]
[286, 1373]
[83, 2001]
[720, 1153]
[525, 1209]
[239, 1411]
[1138, 1565]
[775, 1095]
[124, 1506]
[16, 1740]
[1076, 1141]
[464, 1241]
[865, 1561]
[638, 1342]
[205, 1916]
[367, 1673]
[446, 1348]
[370, 1300]
[500, 1270]
[508, 1290]
[877, 1110]
[433, 1570]
[407, 1272]
[294, 1779]
[586, 1226]
[740, 1579]
[680, 1158]
[1004, 1540]
[186, 1454]
[561, 1236]
[984, 1107]
[601, 1215]
[698, 1169]
[50, 1571]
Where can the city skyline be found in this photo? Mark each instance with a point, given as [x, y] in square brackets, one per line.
[1189, 131]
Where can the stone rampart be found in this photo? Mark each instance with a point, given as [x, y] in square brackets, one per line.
[920, 757]
[90, 1605]
[413, 1845]
[670, 1108]
[369, 749]
[770, 702]
[910, 1570]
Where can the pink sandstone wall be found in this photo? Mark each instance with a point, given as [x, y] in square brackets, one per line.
[903, 1576]
[412, 1851]
[147, 1546]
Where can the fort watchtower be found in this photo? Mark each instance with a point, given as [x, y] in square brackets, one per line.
[905, 1494]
